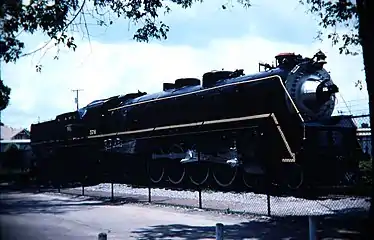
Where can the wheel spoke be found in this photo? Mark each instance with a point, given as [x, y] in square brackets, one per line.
[250, 180]
[176, 171]
[224, 175]
[156, 169]
[198, 174]
[157, 172]
[296, 177]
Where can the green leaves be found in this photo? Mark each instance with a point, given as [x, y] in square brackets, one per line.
[50, 17]
[334, 15]
[4, 95]
[58, 19]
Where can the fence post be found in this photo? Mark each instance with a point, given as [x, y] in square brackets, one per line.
[268, 203]
[219, 231]
[57, 182]
[102, 236]
[312, 228]
[200, 200]
[112, 196]
[149, 179]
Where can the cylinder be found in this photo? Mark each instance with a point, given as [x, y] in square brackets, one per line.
[312, 228]
[219, 231]
[102, 236]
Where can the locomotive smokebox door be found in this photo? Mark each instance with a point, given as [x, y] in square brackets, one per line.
[312, 90]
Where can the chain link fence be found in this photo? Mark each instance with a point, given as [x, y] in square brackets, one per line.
[229, 202]
[248, 202]
[343, 201]
[364, 139]
[363, 133]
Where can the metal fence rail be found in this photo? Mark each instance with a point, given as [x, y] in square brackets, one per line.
[363, 132]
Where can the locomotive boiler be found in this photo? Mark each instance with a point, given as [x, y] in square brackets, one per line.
[226, 129]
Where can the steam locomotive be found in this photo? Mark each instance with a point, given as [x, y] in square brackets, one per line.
[227, 129]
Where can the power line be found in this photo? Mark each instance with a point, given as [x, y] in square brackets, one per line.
[77, 97]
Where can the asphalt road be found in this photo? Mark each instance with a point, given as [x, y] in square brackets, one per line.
[55, 216]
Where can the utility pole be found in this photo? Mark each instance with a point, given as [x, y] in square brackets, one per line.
[77, 97]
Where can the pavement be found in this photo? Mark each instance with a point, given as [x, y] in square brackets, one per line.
[33, 215]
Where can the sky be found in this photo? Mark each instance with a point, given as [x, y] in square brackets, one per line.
[202, 38]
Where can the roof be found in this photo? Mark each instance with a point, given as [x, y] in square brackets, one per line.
[16, 141]
[7, 133]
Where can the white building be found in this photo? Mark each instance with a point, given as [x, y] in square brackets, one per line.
[15, 149]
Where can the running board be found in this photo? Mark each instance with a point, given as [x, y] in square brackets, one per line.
[169, 156]
[245, 122]
[192, 156]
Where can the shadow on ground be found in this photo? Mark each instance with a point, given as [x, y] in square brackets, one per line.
[280, 228]
[12, 203]
[342, 227]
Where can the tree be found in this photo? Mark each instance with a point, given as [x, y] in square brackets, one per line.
[59, 17]
[357, 17]
[337, 15]
[5, 95]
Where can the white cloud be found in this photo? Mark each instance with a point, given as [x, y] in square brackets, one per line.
[104, 70]
[112, 69]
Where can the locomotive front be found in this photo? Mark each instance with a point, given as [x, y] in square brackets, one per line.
[330, 141]
[309, 85]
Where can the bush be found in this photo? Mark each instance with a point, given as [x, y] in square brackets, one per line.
[366, 171]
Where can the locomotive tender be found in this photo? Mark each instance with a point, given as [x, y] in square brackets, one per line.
[228, 128]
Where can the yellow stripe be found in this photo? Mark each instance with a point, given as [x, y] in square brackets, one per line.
[184, 125]
[283, 137]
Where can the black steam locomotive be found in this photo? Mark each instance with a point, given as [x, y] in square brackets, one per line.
[228, 128]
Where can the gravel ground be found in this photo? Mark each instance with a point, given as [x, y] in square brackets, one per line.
[238, 202]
